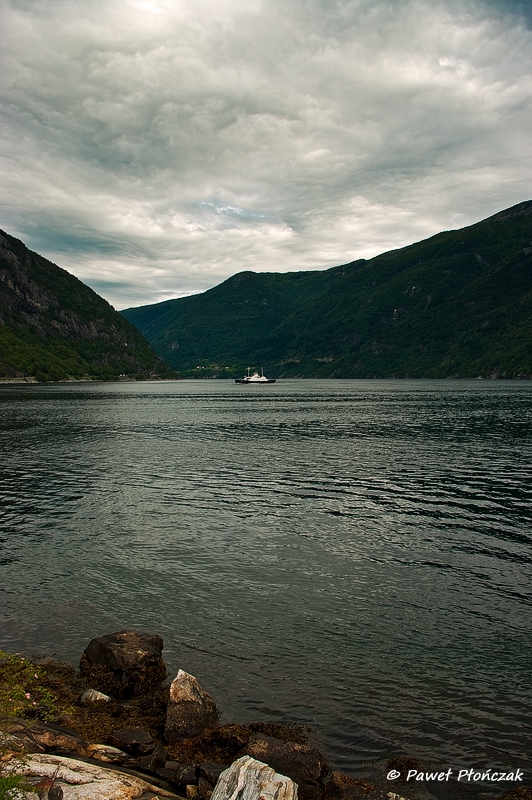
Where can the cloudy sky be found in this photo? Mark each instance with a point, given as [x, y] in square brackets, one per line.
[156, 147]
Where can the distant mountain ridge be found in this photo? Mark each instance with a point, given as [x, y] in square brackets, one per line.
[54, 327]
[458, 304]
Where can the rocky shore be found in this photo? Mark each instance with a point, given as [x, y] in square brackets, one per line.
[115, 730]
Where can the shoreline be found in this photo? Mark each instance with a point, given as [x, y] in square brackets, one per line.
[31, 380]
[81, 722]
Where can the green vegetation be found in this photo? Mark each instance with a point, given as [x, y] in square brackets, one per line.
[22, 689]
[12, 786]
[22, 694]
[53, 327]
[50, 691]
[456, 305]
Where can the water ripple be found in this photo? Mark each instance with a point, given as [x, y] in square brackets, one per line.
[353, 554]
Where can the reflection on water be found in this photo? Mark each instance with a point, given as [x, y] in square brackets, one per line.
[351, 554]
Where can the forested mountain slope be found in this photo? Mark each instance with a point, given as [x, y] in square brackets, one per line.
[457, 304]
[53, 327]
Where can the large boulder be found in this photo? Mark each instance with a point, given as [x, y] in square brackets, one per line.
[304, 764]
[191, 711]
[131, 739]
[211, 771]
[41, 737]
[71, 779]
[124, 664]
[248, 779]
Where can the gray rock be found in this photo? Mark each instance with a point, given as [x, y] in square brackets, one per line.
[191, 711]
[303, 763]
[185, 775]
[165, 773]
[81, 781]
[93, 696]
[155, 760]
[129, 739]
[125, 650]
[249, 779]
[38, 737]
[211, 771]
[41, 737]
[107, 754]
[145, 749]
[175, 765]
[125, 663]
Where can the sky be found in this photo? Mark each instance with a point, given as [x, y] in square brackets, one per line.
[154, 148]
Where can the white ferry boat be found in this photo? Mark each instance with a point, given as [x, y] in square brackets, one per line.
[255, 378]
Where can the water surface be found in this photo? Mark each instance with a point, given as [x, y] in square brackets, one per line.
[350, 554]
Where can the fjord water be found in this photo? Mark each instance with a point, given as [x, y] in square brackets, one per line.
[355, 555]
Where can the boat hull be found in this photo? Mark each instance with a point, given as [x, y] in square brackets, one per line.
[255, 383]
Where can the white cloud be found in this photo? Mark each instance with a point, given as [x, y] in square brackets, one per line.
[156, 147]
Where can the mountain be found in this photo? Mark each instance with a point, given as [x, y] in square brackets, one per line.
[456, 305]
[53, 327]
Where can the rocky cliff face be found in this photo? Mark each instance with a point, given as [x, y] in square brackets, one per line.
[53, 327]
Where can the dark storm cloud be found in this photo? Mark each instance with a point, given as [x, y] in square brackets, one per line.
[154, 147]
[519, 8]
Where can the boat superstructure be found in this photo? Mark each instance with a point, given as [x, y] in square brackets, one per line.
[255, 378]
